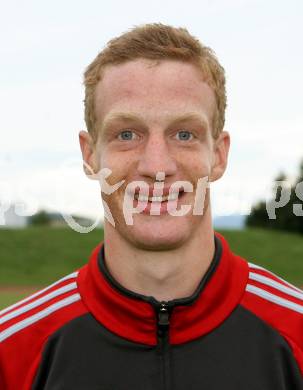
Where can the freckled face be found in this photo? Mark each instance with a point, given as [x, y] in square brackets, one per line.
[155, 118]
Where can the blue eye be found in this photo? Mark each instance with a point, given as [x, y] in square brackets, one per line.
[184, 135]
[126, 135]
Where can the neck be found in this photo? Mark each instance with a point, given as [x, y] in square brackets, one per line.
[165, 275]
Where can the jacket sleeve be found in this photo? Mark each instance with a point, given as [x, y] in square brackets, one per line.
[2, 379]
[19, 358]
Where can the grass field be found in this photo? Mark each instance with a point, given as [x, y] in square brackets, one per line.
[40, 255]
[14, 295]
[35, 257]
[9, 298]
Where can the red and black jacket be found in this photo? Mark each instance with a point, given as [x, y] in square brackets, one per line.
[241, 329]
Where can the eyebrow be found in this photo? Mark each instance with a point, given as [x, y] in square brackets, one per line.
[173, 120]
[120, 116]
[191, 116]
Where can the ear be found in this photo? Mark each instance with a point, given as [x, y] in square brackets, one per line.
[220, 154]
[89, 154]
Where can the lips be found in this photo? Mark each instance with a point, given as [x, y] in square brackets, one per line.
[157, 195]
[144, 198]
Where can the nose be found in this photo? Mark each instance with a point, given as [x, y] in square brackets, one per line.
[156, 157]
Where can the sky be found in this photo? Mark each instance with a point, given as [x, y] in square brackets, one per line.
[45, 47]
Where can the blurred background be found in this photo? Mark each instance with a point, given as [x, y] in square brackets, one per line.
[45, 47]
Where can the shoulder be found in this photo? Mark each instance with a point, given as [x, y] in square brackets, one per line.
[278, 303]
[27, 325]
[53, 304]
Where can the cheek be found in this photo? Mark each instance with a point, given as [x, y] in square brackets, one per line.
[196, 166]
[121, 166]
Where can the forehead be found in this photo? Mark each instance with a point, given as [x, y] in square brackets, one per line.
[166, 87]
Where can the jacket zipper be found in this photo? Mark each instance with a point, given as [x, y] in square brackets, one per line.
[163, 311]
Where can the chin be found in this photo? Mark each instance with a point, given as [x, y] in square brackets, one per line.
[156, 245]
[157, 239]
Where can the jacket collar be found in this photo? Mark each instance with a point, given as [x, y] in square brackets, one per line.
[133, 316]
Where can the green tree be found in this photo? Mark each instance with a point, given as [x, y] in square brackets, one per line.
[286, 219]
[40, 218]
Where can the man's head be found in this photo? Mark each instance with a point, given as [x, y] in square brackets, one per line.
[155, 101]
[156, 42]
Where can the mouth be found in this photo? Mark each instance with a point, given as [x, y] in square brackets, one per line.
[158, 205]
[158, 199]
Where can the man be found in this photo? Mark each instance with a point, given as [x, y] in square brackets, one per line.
[163, 302]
